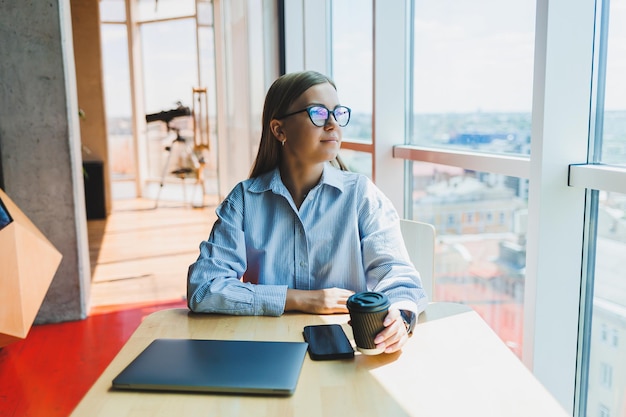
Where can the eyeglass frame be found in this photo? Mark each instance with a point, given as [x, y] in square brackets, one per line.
[309, 108]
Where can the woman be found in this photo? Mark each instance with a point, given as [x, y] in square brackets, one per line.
[303, 233]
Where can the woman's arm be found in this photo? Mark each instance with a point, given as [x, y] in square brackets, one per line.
[325, 301]
[214, 281]
[385, 259]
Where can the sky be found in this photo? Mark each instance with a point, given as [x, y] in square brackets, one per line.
[469, 56]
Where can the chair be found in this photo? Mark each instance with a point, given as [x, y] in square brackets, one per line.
[419, 239]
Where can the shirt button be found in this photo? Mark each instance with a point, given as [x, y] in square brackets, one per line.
[302, 264]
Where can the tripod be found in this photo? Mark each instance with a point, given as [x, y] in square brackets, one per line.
[184, 154]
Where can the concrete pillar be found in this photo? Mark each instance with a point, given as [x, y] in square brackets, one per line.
[40, 142]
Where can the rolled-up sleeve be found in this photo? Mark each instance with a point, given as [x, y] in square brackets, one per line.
[214, 282]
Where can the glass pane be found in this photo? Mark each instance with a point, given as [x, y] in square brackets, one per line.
[614, 129]
[169, 63]
[352, 64]
[112, 10]
[480, 258]
[165, 9]
[356, 161]
[472, 74]
[170, 74]
[118, 101]
[607, 359]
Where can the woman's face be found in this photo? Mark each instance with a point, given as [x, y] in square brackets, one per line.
[306, 143]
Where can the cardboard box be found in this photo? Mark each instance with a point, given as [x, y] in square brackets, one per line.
[28, 262]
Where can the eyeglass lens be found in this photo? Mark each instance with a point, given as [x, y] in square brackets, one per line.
[319, 115]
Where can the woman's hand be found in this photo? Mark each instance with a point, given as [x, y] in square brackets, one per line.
[394, 336]
[326, 301]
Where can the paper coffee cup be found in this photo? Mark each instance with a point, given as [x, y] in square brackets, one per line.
[367, 313]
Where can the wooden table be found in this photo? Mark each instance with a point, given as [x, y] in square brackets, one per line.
[454, 365]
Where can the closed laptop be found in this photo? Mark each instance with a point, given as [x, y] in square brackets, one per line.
[223, 366]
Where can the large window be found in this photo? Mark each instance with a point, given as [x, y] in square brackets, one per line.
[472, 78]
[472, 74]
[510, 109]
[172, 54]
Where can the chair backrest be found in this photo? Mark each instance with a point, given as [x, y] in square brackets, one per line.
[419, 239]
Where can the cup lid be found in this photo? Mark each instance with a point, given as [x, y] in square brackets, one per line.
[369, 301]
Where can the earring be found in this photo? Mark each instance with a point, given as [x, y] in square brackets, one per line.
[283, 142]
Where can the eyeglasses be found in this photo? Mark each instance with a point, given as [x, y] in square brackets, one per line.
[319, 115]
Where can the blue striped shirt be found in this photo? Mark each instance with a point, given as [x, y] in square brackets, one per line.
[346, 234]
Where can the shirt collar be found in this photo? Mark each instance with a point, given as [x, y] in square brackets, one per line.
[271, 180]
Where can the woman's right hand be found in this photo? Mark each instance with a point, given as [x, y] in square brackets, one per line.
[325, 301]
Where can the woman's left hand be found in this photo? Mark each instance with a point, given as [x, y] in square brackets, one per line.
[394, 336]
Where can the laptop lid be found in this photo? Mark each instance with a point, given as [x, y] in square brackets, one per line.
[228, 366]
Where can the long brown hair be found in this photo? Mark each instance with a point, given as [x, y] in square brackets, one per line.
[282, 93]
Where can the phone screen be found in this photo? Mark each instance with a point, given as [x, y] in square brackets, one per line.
[327, 341]
[5, 217]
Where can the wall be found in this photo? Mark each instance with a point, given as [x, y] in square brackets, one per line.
[40, 142]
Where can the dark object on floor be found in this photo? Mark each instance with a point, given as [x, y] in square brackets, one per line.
[94, 190]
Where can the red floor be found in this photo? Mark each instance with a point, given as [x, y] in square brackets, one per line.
[48, 373]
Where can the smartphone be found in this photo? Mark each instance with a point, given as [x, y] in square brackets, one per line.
[327, 341]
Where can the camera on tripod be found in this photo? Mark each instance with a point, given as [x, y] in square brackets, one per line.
[167, 115]
[182, 160]
[186, 158]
